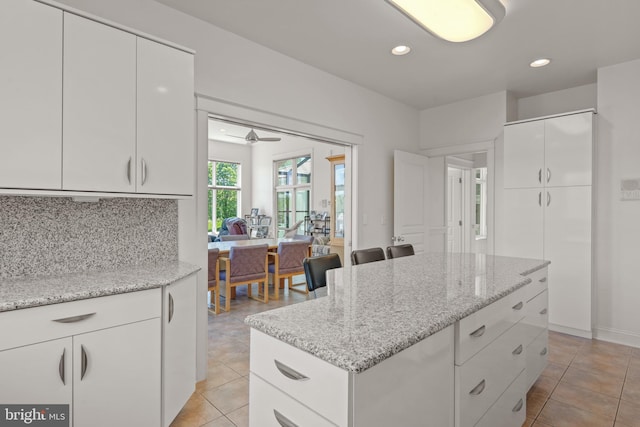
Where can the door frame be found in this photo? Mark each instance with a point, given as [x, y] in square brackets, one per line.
[465, 168]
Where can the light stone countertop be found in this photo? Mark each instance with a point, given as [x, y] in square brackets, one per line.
[373, 311]
[33, 291]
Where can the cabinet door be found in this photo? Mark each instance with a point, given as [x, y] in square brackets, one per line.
[179, 345]
[31, 101]
[567, 244]
[524, 155]
[165, 119]
[118, 382]
[522, 229]
[568, 150]
[99, 113]
[37, 374]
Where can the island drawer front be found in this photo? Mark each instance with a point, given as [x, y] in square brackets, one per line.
[37, 324]
[326, 387]
[511, 408]
[537, 355]
[268, 404]
[481, 380]
[479, 329]
[539, 283]
[537, 316]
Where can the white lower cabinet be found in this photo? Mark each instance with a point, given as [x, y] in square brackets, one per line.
[510, 409]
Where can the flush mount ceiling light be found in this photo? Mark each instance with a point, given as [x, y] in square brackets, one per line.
[452, 20]
[540, 62]
[400, 50]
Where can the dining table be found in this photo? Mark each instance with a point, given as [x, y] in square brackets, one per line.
[226, 246]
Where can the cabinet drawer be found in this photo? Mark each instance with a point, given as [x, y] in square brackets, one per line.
[539, 283]
[31, 325]
[322, 387]
[537, 354]
[537, 316]
[481, 380]
[272, 408]
[510, 409]
[477, 330]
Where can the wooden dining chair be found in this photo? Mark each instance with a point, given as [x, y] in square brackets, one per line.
[286, 263]
[244, 266]
[363, 256]
[398, 251]
[213, 283]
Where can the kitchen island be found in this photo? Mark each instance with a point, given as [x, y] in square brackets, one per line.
[431, 339]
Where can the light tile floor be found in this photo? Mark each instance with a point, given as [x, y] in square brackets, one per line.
[586, 383]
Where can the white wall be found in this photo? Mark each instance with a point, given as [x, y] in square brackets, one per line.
[561, 101]
[617, 222]
[236, 153]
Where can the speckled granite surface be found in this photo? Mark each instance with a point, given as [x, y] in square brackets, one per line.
[43, 290]
[376, 310]
[55, 235]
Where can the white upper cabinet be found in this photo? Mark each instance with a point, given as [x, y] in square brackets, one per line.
[165, 119]
[524, 155]
[99, 114]
[31, 100]
[568, 148]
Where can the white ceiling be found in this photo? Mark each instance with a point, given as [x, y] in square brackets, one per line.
[352, 39]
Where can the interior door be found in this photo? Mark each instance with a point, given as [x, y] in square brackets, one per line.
[410, 196]
[455, 207]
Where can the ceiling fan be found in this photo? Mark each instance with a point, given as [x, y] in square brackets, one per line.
[252, 137]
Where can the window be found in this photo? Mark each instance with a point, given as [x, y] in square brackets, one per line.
[293, 191]
[224, 192]
[481, 203]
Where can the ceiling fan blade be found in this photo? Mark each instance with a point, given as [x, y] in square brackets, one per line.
[269, 139]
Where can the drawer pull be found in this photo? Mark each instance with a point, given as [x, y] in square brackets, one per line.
[74, 318]
[478, 389]
[85, 362]
[479, 332]
[518, 306]
[171, 307]
[283, 421]
[61, 367]
[517, 351]
[544, 279]
[543, 312]
[289, 373]
[543, 352]
[518, 406]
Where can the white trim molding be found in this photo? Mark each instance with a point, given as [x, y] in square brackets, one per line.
[617, 336]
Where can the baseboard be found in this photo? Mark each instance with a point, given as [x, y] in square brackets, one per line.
[617, 336]
[571, 331]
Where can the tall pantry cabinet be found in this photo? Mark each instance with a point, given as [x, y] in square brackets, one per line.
[547, 209]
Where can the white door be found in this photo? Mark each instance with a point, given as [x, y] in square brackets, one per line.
[31, 100]
[410, 198]
[99, 112]
[522, 225]
[455, 210]
[568, 246]
[179, 346]
[122, 367]
[165, 111]
[524, 155]
[568, 147]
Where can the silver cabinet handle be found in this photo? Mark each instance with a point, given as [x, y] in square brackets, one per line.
[283, 421]
[543, 312]
[543, 352]
[129, 170]
[544, 279]
[170, 307]
[84, 362]
[548, 174]
[74, 318]
[517, 351]
[478, 332]
[518, 306]
[478, 389]
[540, 175]
[518, 406]
[144, 172]
[61, 367]
[548, 198]
[540, 198]
[289, 372]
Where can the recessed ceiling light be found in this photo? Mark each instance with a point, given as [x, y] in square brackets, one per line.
[223, 130]
[401, 50]
[540, 62]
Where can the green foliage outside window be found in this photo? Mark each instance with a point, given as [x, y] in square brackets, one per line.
[226, 175]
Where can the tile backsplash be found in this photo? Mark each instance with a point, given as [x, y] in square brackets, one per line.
[51, 235]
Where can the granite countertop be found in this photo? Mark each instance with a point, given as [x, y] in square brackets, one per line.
[33, 291]
[373, 311]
